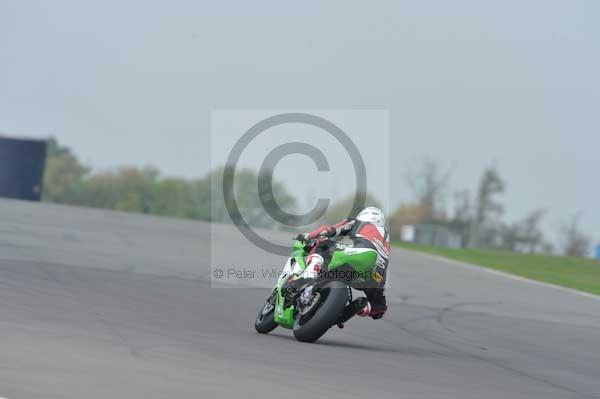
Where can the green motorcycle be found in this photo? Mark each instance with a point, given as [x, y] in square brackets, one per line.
[311, 301]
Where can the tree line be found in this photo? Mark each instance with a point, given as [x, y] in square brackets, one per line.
[476, 217]
[144, 190]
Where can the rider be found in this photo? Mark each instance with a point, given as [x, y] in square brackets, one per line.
[366, 230]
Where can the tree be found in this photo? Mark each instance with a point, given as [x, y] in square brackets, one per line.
[126, 189]
[429, 182]
[246, 195]
[483, 233]
[174, 197]
[524, 235]
[63, 175]
[462, 216]
[531, 230]
[575, 242]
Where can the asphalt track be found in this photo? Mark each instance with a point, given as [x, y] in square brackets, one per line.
[97, 304]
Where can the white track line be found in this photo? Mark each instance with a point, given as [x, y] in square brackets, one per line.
[506, 275]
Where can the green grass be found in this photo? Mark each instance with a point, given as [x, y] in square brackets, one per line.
[577, 273]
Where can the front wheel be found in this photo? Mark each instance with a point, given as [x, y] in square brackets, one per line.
[335, 297]
[265, 320]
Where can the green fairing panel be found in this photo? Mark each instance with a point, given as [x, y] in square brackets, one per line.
[283, 317]
[360, 259]
[299, 253]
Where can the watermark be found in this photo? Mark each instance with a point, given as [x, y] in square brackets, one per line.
[245, 274]
[265, 178]
[277, 174]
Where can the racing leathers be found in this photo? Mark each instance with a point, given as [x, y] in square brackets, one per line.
[362, 235]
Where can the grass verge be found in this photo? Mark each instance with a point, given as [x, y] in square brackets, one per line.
[580, 274]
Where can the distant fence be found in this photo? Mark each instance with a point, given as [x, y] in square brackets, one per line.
[22, 165]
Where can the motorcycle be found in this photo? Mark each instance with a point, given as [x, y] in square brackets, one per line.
[310, 301]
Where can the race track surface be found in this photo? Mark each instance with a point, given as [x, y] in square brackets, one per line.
[98, 304]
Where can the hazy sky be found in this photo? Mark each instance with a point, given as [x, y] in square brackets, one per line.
[470, 82]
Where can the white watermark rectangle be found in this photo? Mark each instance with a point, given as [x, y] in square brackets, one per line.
[276, 174]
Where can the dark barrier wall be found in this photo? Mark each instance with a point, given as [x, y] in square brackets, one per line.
[22, 168]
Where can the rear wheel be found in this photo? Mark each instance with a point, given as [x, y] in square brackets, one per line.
[265, 320]
[310, 326]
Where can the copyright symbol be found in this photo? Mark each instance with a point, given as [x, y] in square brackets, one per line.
[265, 180]
[218, 273]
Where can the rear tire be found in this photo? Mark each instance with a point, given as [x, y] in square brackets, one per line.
[325, 316]
[265, 323]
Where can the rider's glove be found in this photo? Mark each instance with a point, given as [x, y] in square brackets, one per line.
[301, 238]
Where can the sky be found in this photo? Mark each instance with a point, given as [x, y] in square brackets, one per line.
[470, 83]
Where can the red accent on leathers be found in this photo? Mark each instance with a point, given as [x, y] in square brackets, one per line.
[370, 232]
[326, 230]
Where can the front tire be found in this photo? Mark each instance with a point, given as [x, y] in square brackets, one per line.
[265, 320]
[325, 316]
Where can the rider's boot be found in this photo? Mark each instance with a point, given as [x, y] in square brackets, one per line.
[359, 307]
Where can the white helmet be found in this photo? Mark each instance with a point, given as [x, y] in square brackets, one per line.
[372, 215]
